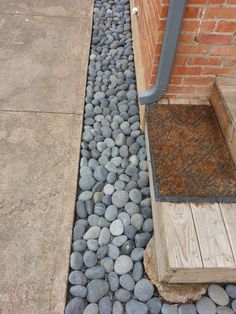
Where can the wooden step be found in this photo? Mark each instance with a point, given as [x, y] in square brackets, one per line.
[223, 100]
[195, 242]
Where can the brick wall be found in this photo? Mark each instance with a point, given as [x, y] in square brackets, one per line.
[207, 44]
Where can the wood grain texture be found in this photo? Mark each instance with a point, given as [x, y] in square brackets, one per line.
[205, 275]
[180, 234]
[229, 217]
[160, 244]
[212, 236]
[223, 100]
[141, 86]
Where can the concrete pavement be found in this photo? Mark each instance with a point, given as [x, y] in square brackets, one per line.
[44, 48]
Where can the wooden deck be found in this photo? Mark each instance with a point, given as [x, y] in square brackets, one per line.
[195, 242]
[223, 100]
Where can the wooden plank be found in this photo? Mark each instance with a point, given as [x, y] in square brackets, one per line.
[229, 217]
[139, 69]
[226, 118]
[176, 101]
[180, 235]
[199, 102]
[212, 236]
[160, 244]
[204, 275]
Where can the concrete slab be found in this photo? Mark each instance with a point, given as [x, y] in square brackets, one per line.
[43, 63]
[67, 8]
[39, 156]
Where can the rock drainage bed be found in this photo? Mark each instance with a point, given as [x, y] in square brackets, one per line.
[113, 212]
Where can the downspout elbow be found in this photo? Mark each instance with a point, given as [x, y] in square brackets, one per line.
[170, 42]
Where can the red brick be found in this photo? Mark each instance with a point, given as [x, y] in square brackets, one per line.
[223, 51]
[180, 60]
[231, 1]
[191, 12]
[192, 49]
[198, 80]
[217, 39]
[206, 1]
[186, 37]
[230, 62]
[226, 26]
[197, 2]
[207, 26]
[221, 13]
[204, 61]
[180, 89]
[218, 71]
[175, 80]
[164, 11]
[185, 70]
[190, 26]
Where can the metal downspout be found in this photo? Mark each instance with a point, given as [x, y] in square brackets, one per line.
[173, 26]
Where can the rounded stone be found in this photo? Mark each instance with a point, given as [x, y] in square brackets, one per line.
[75, 306]
[91, 308]
[148, 225]
[105, 305]
[117, 308]
[122, 295]
[123, 265]
[78, 291]
[102, 251]
[170, 309]
[92, 245]
[233, 305]
[92, 233]
[113, 281]
[85, 196]
[90, 259]
[206, 305]
[96, 272]
[81, 209]
[130, 231]
[218, 295]
[86, 182]
[154, 305]
[100, 173]
[137, 221]
[136, 307]
[111, 213]
[231, 290]
[127, 282]
[142, 239]
[120, 198]
[116, 227]
[135, 196]
[118, 241]
[187, 309]
[77, 278]
[127, 247]
[97, 289]
[108, 189]
[132, 208]
[137, 254]
[125, 218]
[104, 236]
[107, 263]
[113, 251]
[224, 310]
[79, 245]
[76, 261]
[143, 290]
